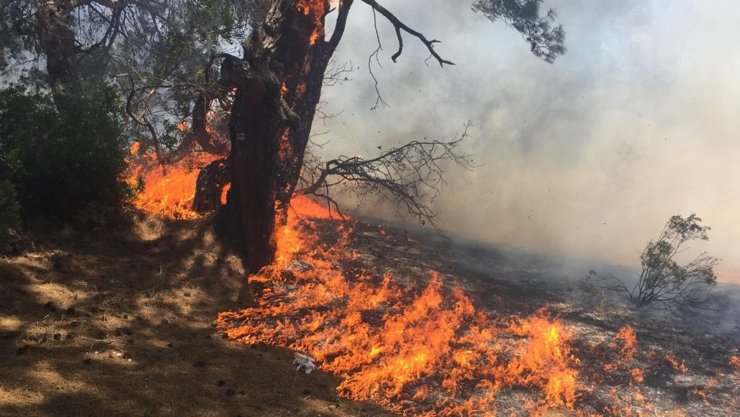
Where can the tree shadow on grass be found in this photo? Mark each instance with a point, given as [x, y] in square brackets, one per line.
[119, 325]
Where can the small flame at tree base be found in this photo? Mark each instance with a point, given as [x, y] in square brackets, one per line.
[417, 349]
[168, 190]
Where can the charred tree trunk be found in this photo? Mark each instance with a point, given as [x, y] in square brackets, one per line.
[277, 89]
[200, 132]
[210, 185]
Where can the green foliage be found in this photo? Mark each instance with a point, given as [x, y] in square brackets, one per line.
[61, 160]
[545, 40]
[10, 211]
[666, 282]
[16, 17]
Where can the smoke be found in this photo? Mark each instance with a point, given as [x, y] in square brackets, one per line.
[587, 157]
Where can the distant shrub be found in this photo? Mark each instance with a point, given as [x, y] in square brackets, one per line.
[61, 160]
[663, 281]
[10, 211]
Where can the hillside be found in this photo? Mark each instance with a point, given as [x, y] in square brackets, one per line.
[123, 323]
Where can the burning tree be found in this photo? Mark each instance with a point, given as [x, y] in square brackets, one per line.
[168, 57]
[277, 85]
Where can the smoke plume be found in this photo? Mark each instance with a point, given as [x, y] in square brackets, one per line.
[587, 157]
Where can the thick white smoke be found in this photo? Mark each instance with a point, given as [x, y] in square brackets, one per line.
[587, 157]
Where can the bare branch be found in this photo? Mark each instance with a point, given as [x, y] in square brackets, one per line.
[375, 54]
[407, 176]
[142, 119]
[400, 26]
[202, 114]
[337, 73]
[343, 13]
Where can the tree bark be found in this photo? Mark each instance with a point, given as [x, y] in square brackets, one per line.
[277, 90]
[57, 42]
[209, 186]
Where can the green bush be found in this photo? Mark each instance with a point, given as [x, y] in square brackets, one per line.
[664, 282]
[10, 211]
[61, 160]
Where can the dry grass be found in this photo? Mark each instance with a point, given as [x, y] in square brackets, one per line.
[120, 324]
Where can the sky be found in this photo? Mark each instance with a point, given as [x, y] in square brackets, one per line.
[587, 157]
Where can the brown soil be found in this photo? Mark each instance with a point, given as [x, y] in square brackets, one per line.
[121, 324]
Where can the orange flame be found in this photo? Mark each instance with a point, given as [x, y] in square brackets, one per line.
[168, 190]
[545, 360]
[417, 348]
[735, 361]
[225, 193]
[637, 375]
[317, 9]
[628, 338]
[678, 366]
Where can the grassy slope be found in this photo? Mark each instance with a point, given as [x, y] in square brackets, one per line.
[121, 324]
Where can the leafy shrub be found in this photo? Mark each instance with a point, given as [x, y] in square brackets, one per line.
[663, 281]
[61, 160]
[9, 211]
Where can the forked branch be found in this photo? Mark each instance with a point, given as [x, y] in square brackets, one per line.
[402, 27]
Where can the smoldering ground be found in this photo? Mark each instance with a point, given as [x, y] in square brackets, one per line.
[587, 157]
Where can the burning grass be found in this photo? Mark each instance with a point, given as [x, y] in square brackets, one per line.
[119, 324]
[419, 345]
[420, 348]
[166, 190]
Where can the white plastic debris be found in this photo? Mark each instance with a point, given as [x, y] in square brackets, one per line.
[298, 266]
[306, 363]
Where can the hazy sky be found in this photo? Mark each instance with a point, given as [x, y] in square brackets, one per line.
[587, 157]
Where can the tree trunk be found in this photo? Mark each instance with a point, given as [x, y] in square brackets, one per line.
[57, 43]
[209, 186]
[277, 91]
